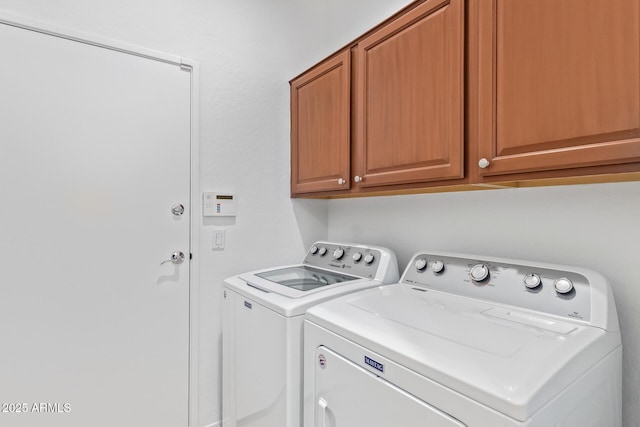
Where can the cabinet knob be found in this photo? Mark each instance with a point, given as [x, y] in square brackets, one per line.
[341, 181]
[483, 163]
[357, 178]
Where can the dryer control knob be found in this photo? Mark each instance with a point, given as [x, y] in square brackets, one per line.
[368, 259]
[532, 281]
[563, 285]
[338, 253]
[421, 264]
[479, 272]
[323, 251]
[313, 250]
[438, 266]
[357, 257]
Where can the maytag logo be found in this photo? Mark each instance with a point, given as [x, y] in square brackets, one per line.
[375, 365]
[247, 304]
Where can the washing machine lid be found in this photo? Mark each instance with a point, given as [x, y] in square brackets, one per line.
[511, 360]
[292, 301]
[296, 281]
[304, 278]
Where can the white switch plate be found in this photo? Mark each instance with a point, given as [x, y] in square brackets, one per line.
[218, 239]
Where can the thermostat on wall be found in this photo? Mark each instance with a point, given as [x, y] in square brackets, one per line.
[218, 204]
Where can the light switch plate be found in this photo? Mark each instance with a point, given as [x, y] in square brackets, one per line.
[219, 237]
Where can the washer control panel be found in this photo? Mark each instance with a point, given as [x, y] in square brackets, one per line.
[540, 287]
[350, 259]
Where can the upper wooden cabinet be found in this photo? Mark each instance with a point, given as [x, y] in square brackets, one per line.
[472, 94]
[400, 121]
[554, 84]
[320, 127]
[409, 83]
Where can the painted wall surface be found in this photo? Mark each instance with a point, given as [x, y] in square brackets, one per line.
[248, 51]
[593, 226]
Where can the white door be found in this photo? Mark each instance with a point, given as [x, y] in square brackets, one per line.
[346, 395]
[95, 150]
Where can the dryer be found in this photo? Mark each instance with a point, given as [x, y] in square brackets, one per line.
[263, 313]
[465, 340]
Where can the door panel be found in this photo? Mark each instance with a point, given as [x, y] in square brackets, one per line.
[346, 395]
[320, 127]
[559, 84]
[95, 151]
[410, 97]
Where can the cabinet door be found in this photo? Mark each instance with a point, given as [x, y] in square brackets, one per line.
[409, 91]
[320, 127]
[555, 84]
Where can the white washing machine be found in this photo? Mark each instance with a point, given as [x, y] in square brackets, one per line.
[467, 341]
[263, 313]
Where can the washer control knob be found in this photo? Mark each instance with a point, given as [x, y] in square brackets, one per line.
[563, 285]
[323, 251]
[338, 253]
[438, 266]
[532, 281]
[357, 257]
[479, 272]
[313, 250]
[368, 259]
[421, 264]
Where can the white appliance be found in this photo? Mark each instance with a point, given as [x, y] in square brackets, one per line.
[263, 313]
[467, 341]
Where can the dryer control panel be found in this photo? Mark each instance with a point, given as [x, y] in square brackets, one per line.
[546, 288]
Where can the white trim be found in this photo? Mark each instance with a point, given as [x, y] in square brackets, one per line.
[194, 239]
[86, 38]
[194, 280]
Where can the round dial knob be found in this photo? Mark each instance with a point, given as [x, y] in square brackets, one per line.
[313, 250]
[437, 267]
[338, 253]
[479, 272]
[483, 163]
[357, 257]
[421, 264]
[532, 281]
[368, 259]
[323, 251]
[563, 285]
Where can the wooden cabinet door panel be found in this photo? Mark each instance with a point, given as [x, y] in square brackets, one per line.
[559, 84]
[320, 127]
[410, 97]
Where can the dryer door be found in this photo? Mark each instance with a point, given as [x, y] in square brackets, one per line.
[347, 395]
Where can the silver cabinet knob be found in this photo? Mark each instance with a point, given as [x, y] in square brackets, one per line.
[176, 258]
[483, 163]
[341, 181]
[357, 178]
[177, 209]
